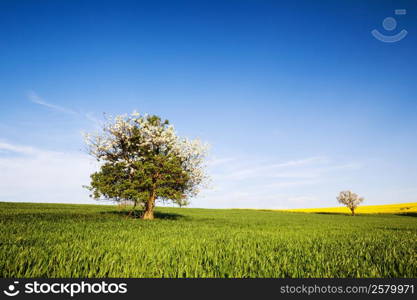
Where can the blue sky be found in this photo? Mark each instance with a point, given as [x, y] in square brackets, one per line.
[297, 99]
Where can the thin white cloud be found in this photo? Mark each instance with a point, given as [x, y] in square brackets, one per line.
[303, 200]
[286, 184]
[35, 98]
[39, 175]
[301, 162]
[270, 168]
[254, 183]
[214, 162]
[17, 149]
[92, 118]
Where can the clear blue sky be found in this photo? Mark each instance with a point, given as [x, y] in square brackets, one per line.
[297, 98]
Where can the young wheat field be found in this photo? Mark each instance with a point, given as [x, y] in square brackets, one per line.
[57, 240]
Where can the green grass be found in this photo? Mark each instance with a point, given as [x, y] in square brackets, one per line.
[56, 240]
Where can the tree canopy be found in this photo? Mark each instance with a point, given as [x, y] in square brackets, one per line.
[144, 160]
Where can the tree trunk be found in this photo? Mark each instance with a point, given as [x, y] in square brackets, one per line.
[353, 211]
[149, 206]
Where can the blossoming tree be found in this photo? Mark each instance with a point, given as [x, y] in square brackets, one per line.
[350, 199]
[143, 160]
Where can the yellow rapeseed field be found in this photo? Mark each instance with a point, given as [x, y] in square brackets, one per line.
[369, 209]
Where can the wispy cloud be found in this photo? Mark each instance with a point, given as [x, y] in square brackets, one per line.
[270, 168]
[5, 147]
[285, 184]
[33, 174]
[92, 118]
[35, 98]
[215, 162]
[268, 183]
[301, 162]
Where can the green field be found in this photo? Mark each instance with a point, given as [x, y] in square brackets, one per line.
[56, 240]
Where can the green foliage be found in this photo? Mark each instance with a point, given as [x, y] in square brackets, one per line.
[56, 240]
[161, 174]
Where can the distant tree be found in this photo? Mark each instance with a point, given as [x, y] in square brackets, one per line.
[183, 202]
[350, 199]
[143, 160]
